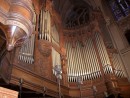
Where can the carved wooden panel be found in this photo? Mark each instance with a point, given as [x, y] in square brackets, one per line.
[42, 64]
[44, 47]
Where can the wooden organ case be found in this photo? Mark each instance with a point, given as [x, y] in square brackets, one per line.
[80, 53]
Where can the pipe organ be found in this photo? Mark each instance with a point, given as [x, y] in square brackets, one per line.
[88, 65]
[45, 25]
[26, 53]
[103, 54]
[83, 61]
[117, 65]
[55, 36]
[56, 59]
[34, 21]
[116, 60]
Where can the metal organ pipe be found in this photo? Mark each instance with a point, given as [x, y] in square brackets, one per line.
[55, 59]
[49, 26]
[71, 67]
[27, 50]
[26, 53]
[34, 22]
[69, 61]
[82, 61]
[66, 45]
[83, 77]
[90, 60]
[40, 29]
[103, 54]
[86, 61]
[45, 25]
[117, 65]
[42, 26]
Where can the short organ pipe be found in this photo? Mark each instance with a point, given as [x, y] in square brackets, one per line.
[26, 53]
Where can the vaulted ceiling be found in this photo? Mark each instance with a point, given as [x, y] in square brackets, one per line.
[74, 12]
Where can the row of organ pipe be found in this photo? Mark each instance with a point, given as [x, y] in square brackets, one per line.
[103, 54]
[117, 65]
[45, 25]
[83, 61]
[91, 76]
[116, 60]
[55, 36]
[34, 21]
[26, 53]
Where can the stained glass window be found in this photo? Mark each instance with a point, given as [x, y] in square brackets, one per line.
[120, 8]
[124, 5]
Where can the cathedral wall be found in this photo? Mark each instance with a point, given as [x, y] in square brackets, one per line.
[116, 30]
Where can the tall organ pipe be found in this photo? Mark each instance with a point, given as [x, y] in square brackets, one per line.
[103, 54]
[117, 65]
[82, 61]
[54, 35]
[45, 25]
[26, 53]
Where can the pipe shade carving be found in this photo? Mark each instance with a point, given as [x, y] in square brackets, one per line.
[16, 17]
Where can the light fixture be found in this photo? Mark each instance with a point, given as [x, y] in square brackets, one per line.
[80, 81]
[58, 72]
[94, 88]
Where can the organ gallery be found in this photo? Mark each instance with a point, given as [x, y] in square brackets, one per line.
[65, 48]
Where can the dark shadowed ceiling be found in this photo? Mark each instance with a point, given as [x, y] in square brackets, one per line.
[74, 12]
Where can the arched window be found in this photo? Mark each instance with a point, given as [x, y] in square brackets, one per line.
[120, 8]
